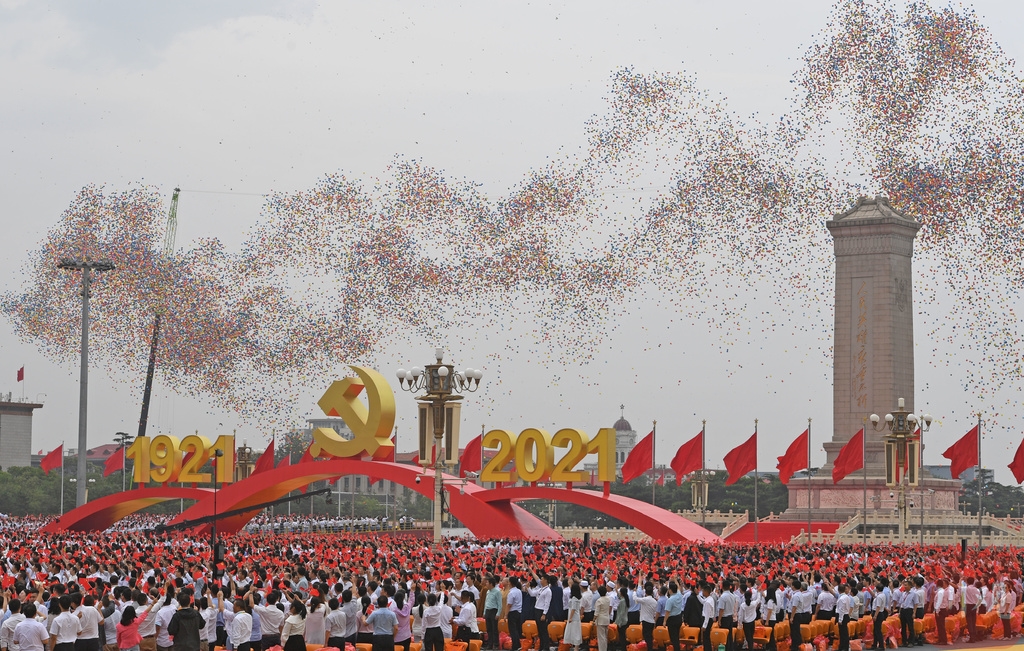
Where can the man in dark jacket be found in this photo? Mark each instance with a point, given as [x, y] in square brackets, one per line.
[186, 625]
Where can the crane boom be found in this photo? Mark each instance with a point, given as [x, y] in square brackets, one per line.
[172, 226]
[170, 234]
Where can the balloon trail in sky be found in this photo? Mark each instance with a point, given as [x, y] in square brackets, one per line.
[675, 200]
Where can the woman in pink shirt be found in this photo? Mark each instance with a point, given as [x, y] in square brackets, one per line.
[128, 637]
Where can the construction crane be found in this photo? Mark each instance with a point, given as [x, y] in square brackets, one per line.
[169, 236]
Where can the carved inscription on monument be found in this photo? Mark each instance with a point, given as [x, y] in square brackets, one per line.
[860, 349]
[901, 289]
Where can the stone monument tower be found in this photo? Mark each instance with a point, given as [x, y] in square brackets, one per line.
[873, 363]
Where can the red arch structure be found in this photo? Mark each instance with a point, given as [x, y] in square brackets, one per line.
[485, 520]
[658, 523]
[100, 514]
[487, 513]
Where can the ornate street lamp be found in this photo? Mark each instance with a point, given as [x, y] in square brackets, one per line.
[902, 450]
[439, 413]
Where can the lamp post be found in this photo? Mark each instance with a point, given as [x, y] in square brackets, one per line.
[902, 449]
[439, 409]
[213, 526]
[86, 266]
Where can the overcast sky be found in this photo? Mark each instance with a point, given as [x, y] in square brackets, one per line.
[251, 96]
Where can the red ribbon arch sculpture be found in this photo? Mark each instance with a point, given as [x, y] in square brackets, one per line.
[100, 514]
[484, 520]
[658, 523]
[487, 513]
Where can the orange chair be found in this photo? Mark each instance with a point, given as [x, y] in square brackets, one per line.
[362, 646]
[530, 633]
[762, 635]
[613, 633]
[588, 630]
[314, 647]
[689, 636]
[806, 632]
[556, 631]
[660, 638]
[737, 636]
[719, 637]
[415, 646]
[634, 634]
[503, 626]
[474, 645]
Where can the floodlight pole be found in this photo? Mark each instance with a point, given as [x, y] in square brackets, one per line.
[86, 266]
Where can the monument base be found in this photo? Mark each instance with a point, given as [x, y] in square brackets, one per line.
[839, 502]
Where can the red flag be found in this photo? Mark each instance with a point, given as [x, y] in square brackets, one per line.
[689, 457]
[113, 463]
[850, 458]
[287, 461]
[1017, 465]
[660, 481]
[470, 459]
[416, 459]
[741, 460]
[963, 454]
[21, 374]
[266, 460]
[640, 459]
[795, 457]
[52, 460]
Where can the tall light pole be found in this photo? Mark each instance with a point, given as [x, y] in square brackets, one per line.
[902, 449]
[439, 409]
[86, 266]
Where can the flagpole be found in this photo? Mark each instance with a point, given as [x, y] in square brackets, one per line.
[123, 465]
[864, 464]
[62, 477]
[755, 482]
[703, 477]
[654, 465]
[977, 477]
[808, 481]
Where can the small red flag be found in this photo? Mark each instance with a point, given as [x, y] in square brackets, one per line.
[21, 374]
[741, 460]
[660, 481]
[287, 461]
[963, 454]
[1017, 465]
[850, 457]
[689, 457]
[640, 459]
[470, 459]
[795, 457]
[307, 456]
[52, 460]
[114, 462]
[266, 460]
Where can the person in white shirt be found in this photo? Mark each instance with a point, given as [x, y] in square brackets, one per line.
[89, 637]
[542, 597]
[336, 624]
[466, 619]
[648, 613]
[727, 608]
[748, 616]
[271, 617]
[238, 623]
[65, 627]
[844, 606]
[941, 608]
[30, 634]
[163, 618]
[709, 612]
[7, 629]
[433, 636]
[879, 608]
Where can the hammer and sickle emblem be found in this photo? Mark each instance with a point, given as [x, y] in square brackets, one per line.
[371, 425]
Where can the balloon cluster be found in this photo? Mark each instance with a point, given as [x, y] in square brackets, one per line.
[924, 106]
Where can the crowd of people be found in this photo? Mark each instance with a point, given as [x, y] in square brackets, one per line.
[305, 523]
[135, 591]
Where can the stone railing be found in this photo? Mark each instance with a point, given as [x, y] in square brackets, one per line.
[736, 524]
[602, 533]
